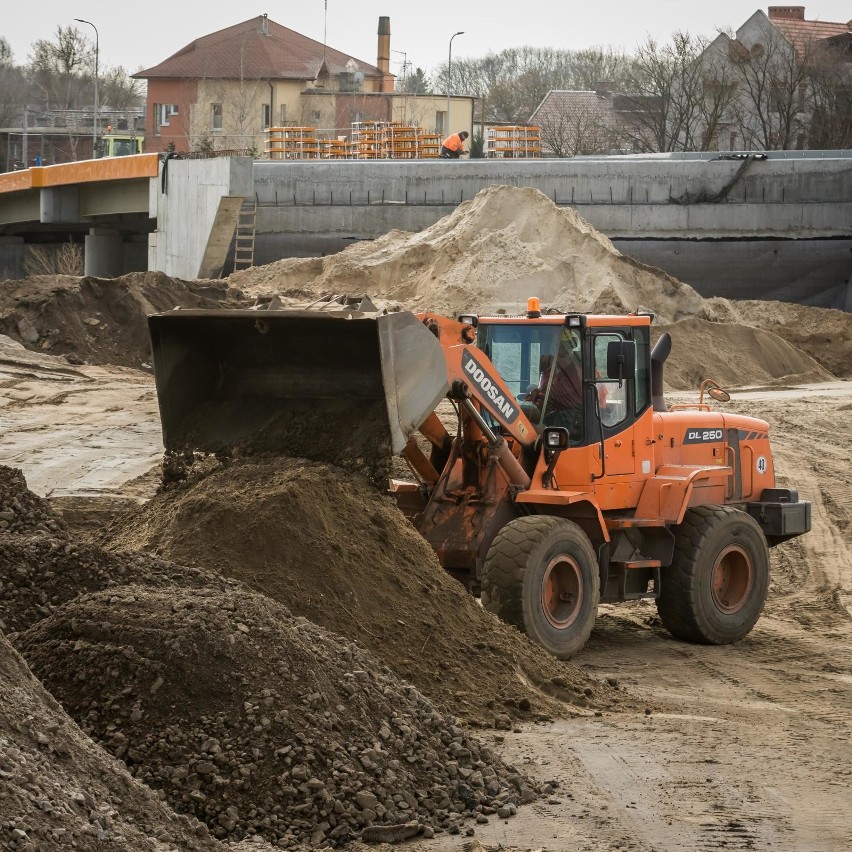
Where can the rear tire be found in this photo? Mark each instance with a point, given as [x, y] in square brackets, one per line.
[714, 590]
[541, 575]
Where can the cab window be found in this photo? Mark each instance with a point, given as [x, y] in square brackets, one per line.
[612, 399]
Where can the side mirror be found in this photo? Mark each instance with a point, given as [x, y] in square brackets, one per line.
[620, 360]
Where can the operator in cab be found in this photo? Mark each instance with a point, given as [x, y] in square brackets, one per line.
[561, 384]
[453, 146]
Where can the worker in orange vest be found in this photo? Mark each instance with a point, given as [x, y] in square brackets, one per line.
[453, 146]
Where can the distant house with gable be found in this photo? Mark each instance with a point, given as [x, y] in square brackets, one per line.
[224, 90]
[790, 82]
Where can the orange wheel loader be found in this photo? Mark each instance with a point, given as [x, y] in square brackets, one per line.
[563, 481]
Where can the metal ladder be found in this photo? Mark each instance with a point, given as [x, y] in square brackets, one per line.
[244, 235]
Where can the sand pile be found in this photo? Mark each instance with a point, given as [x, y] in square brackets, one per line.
[489, 255]
[259, 723]
[823, 333]
[98, 321]
[336, 551]
[735, 356]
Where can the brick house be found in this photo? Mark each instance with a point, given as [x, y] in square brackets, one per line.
[223, 90]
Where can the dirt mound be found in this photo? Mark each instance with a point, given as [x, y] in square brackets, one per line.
[825, 334]
[40, 573]
[22, 512]
[59, 790]
[260, 723]
[488, 256]
[95, 320]
[336, 551]
[735, 356]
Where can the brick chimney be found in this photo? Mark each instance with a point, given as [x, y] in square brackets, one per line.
[383, 56]
[786, 13]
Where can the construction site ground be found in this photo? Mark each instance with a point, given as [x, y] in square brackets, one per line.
[641, 743]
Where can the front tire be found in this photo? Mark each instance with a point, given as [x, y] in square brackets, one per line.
[714, 590]
[541, 575]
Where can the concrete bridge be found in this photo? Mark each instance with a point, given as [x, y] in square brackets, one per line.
[777, 227]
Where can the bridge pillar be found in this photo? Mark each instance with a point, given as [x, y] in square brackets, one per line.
[103, 253]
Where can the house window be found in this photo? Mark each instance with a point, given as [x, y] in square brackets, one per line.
[216, 116]
[163, 114]
[283, 114]
[316, 115]
[267, 115]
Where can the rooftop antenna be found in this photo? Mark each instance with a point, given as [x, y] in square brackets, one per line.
[324, 30]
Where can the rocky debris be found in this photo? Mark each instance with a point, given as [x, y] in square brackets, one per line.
[22, 512]
[331, 548]
[59, 790]
[40, 573]
[259, 723]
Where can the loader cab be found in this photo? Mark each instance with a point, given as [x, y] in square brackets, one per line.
[583, 390]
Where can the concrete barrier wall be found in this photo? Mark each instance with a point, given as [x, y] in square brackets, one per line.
[185, 204]
[623, 197]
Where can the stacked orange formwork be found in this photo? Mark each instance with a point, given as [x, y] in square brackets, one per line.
[520, 141]
[428, 146]
[292, 143]
[369, 140]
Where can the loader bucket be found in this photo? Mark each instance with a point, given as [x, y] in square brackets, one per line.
[294, 382]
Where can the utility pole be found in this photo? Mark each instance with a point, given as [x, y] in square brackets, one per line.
[95, 116]
[450, 77]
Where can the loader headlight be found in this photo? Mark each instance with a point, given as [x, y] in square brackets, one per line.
[556, 438]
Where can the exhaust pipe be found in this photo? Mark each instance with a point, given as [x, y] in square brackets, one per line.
[661, 351]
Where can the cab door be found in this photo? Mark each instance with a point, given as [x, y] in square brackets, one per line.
[613, 406]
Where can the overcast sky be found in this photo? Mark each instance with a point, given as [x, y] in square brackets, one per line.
[140, 35]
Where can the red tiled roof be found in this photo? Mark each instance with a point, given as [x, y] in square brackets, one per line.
[802, 33]
[244, 51]
[577, 104]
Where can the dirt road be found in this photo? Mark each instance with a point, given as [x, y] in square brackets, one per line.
[744, 747]
[76, 431]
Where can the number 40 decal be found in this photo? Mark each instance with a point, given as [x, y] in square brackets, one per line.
[761, 464]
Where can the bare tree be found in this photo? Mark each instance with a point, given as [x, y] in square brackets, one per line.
[13, 88]
[117, 90]
[512, 83]
[569, 132]
[597, 65]
[775, 96]
[58, 68]
[667, 87]
[831, 92]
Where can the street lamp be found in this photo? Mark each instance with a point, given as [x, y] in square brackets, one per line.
[95, 118]
[450, 76]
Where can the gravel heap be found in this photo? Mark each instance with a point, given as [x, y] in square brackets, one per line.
[22, 512]
[59, 790]
[240, 715]
[42, 567]
[334, 550]
[257, 722]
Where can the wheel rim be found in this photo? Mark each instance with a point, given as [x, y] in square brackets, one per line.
[733, 578]
[562, 592]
